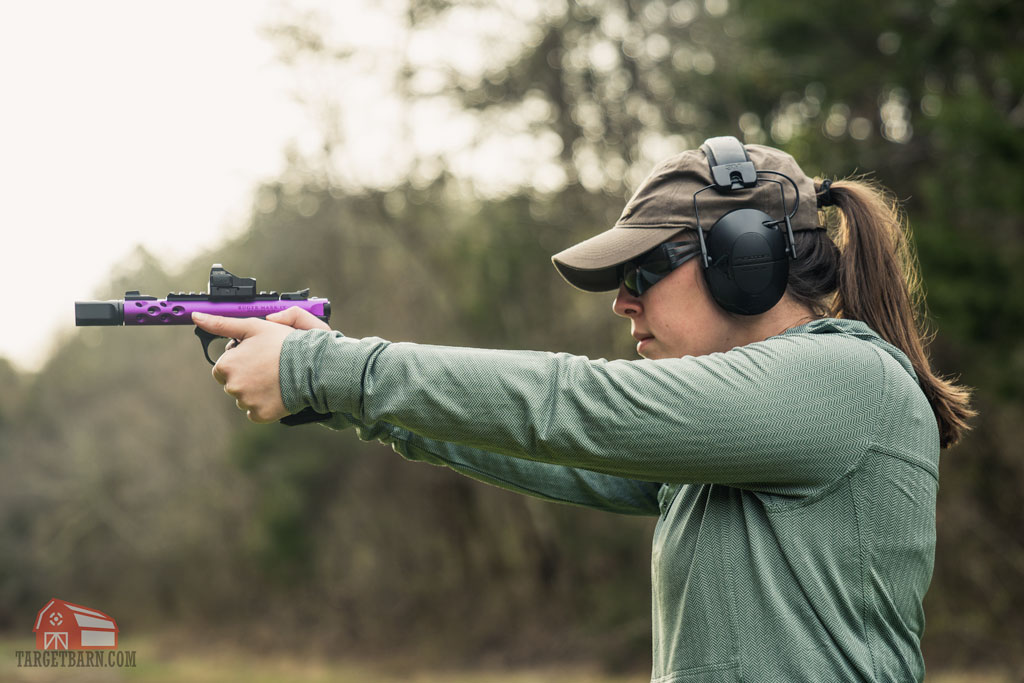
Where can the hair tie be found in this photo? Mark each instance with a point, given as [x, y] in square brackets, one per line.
[824, 195]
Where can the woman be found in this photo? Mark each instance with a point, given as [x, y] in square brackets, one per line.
[784, 422]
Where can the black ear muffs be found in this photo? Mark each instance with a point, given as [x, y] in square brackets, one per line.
[748, 263]
[746, 253]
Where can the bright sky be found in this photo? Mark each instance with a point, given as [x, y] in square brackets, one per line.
[127, 123]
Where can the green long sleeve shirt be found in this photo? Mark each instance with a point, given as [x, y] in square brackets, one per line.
[795, 479]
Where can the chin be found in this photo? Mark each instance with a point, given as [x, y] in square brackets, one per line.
[649, 351]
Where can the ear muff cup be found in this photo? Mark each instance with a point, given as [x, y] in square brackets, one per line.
[748, 265]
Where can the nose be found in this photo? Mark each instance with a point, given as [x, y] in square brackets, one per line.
[626, 305]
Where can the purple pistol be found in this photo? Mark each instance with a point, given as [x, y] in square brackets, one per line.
[228, 295]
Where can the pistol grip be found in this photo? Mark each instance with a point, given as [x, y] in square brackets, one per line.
[304, 417]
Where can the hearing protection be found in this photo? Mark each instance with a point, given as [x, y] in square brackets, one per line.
[746, 252]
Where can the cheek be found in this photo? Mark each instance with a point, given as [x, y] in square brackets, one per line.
[690, 322]
[684, 300]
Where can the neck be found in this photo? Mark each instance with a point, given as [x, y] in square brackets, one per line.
[783, 316]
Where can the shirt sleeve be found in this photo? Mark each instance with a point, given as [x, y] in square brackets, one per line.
[786, 415]
[547, 481]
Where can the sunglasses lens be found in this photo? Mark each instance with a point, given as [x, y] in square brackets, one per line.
[639, 276]
[629, 279]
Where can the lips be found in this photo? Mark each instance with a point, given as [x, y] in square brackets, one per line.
[643, 343]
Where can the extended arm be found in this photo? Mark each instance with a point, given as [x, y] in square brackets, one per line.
[249, 372]
[760, 416]
[551, 482]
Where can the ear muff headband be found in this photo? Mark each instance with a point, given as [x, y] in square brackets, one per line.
[746, 254]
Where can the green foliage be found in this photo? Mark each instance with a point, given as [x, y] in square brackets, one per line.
[128, 480]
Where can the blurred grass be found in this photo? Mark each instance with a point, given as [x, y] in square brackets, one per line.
[156, 663]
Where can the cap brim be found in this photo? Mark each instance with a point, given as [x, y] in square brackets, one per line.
[593, 264]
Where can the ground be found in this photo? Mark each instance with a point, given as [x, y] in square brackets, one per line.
[155, 664]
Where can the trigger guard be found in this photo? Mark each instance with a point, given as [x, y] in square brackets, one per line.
[206, 338]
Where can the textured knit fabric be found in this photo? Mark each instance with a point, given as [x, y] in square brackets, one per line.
[794, 479]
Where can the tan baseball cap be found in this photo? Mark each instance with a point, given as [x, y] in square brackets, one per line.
[663, 205]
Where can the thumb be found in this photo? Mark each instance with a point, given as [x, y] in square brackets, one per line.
[230, 328]
[298, 318]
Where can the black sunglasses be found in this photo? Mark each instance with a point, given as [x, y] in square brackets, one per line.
[644, 272]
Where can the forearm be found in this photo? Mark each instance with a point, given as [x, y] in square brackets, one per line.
[550, 482]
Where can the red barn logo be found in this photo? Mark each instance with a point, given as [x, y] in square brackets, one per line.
[61, 625]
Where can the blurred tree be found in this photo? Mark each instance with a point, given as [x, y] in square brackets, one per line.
[927, 96]
[150, 491]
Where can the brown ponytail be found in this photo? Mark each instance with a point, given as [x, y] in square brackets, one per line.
[870, 273]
